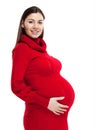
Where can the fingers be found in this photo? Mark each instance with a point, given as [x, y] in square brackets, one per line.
[59, 112]
[56, 107]
[61, 109]
[63, 106]
[56, 113]
[59, 98]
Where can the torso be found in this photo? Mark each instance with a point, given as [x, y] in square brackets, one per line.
[43, 75]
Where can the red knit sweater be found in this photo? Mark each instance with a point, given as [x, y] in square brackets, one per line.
[35, 79]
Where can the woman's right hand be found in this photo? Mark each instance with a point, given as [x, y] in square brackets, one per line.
[56, 107]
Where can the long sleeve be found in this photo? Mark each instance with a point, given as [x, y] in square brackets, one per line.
[21, 58]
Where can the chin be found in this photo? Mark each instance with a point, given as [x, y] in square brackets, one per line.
[36, 36]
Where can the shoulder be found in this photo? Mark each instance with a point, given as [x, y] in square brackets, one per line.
[21, 50]
[21, 47]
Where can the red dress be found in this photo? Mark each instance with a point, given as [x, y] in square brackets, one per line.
[35, 79]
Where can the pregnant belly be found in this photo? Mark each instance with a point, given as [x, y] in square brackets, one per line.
[55, 86]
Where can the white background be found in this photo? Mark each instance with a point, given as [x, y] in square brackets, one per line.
[69, 34]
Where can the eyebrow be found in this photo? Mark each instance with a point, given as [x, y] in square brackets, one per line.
[34, 19]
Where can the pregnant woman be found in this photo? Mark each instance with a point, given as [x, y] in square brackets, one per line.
[36, 77]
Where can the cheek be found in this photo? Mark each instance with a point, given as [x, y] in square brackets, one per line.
[27, 27]
[41, 26]
[27, 30]
[41, 29]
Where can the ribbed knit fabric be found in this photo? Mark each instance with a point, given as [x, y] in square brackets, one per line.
[35, 79]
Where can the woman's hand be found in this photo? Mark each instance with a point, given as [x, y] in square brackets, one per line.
[56, 107]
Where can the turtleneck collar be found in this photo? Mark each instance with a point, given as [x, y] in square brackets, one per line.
[37, 44]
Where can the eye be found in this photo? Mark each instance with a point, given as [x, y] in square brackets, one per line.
[40, 22]
[31, 21]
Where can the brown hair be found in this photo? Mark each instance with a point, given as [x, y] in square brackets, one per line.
[28, 11]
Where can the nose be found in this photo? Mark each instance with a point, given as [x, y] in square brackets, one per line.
[35, 25]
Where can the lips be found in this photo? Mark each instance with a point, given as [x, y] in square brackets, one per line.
[35, 32]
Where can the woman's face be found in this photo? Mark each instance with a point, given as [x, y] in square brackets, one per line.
[33, 25]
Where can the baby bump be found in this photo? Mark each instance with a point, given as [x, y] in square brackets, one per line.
[57, 87]
[49, 86]
[68, 90]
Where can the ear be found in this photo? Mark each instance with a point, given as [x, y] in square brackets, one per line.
[22, 24]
